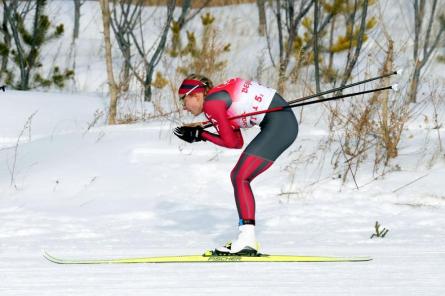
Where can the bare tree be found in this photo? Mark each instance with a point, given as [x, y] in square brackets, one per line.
[261, 4]
[316, 55]
[156, 57]
[105, 9]
[123, 21]
[423, 47]
[77, 5]
[187, 14]
[128, 26]
[290, 23]
[76, 28]
[353, 54]
[310, 46]
[356, 26]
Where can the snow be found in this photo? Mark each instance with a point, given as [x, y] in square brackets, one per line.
[134, 190]
[73, 186]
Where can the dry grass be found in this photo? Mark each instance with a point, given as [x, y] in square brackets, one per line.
[370, 126]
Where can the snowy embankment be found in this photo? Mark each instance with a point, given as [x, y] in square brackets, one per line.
[134, 190]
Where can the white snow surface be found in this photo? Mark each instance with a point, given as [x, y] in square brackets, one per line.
[134, 190]
[78, 188]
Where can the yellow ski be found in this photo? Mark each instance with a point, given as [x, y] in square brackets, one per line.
[207, 257]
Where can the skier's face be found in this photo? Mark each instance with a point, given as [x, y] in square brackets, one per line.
[193, 103]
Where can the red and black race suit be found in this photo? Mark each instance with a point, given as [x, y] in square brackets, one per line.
[278, 132]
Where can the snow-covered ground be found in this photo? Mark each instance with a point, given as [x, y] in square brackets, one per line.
[134, 190]
[73, 186]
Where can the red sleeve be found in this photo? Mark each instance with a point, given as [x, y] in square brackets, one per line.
[228, 137]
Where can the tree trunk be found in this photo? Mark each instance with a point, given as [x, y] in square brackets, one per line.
[125, 82]
[422, 50]
[331, 77]
[350, 64]
[159, 51]
[262, 17]
[7, 41]
[316, 54]
[389, 140]
[147, 86]
[34, 51]
[414, 84]
[292, 23]
[104, 6]
[77, 5]
[186, 5]
[419, 11]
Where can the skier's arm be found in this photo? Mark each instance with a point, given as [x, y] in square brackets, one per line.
[227, 136]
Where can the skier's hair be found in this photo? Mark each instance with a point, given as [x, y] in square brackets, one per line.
[208, 84]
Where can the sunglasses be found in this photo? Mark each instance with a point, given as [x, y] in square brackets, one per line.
[187, 93]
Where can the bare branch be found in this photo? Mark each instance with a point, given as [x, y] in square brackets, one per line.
[430, 25]
[351, 62]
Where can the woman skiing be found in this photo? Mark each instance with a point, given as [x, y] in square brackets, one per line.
[278, 131]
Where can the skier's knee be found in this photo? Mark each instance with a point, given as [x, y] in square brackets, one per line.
[237, 177]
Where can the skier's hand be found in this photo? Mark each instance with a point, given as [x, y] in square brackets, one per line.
[189, 134]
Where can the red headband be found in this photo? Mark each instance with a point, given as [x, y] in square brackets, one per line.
[191, 86]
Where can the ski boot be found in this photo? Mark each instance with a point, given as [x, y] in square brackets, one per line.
[245, 245]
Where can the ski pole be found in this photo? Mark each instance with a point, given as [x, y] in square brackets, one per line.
[208, 124]
[393, 87]
[398, 72]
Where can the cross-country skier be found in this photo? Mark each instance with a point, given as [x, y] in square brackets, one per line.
[278, 132]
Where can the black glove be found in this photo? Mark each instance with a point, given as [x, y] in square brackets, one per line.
[189, 134]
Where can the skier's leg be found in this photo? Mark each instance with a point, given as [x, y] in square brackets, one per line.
[247, 168]
[278, 132]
